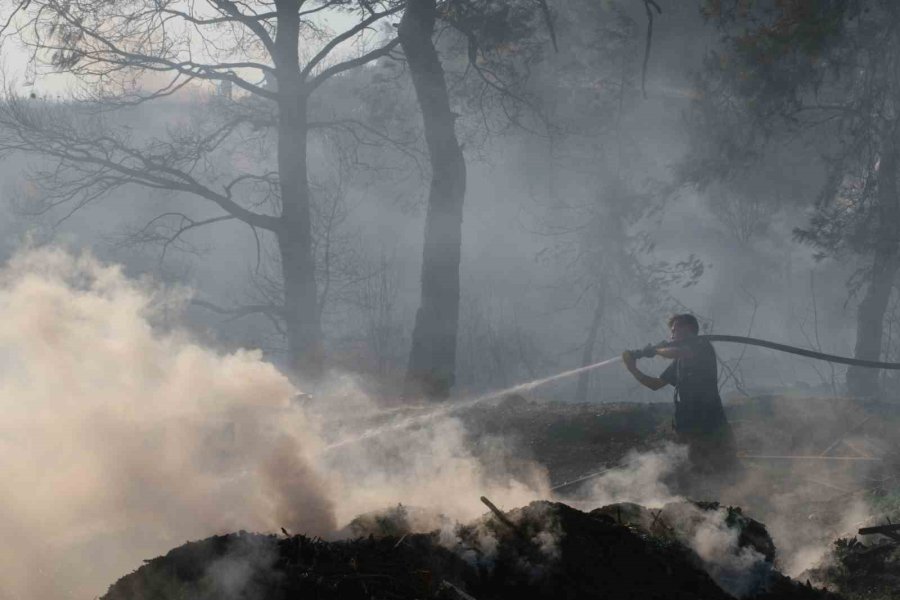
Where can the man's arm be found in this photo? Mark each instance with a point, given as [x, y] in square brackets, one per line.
[653, 383]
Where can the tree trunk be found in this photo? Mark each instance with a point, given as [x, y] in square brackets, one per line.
[870, 313]
[587, 355]
[432, 360]
[301, 310]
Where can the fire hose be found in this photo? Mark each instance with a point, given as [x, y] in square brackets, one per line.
[650, 350]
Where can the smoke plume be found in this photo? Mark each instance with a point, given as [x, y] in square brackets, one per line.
[122, 438]
[640, 478]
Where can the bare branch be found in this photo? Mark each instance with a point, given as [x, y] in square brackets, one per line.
[353, 127]
[352, 64]
[155, 230]
[320, 8]
[253, 23]
[22, 5]
[270, 178]
[113, 160]
[648, 6]
[114, 57]
[490, 79]
[343, 37]
[216, 21]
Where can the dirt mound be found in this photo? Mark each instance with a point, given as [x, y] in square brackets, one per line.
[545, 550]
[680, 520]
[254, 567]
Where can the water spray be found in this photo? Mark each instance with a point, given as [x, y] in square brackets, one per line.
[463, 405]
[648, 351]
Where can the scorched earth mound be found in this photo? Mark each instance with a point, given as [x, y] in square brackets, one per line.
[545, 550]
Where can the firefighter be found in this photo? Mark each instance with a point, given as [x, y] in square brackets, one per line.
[700, 421]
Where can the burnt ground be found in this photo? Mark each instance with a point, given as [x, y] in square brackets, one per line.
[595, 554]
[814, 501]
[574, 439]
[571, 440]
[542, 551]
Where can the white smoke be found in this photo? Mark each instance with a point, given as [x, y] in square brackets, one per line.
[120, 440]
[639, 478]
[117, 441]
[739, 570]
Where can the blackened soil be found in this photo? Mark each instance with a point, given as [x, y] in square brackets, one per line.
[545, 551]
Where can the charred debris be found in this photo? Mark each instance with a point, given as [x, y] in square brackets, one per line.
[544, 550]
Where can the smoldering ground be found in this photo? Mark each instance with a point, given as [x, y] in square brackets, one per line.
[804, 508]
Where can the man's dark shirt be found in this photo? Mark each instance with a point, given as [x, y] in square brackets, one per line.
[698, 407]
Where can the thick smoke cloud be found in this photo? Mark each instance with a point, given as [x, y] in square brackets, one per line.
[122, 438]
[119, 440]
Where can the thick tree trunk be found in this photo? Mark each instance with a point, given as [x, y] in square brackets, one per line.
[301, 310]
[587, 354]
[870, 314]
[432, 360]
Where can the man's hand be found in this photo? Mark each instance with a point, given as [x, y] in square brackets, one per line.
[653, 383]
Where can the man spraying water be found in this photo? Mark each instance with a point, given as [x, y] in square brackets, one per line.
[699, 417]
[700, 421]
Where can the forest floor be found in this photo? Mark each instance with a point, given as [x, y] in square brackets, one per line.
[572, 440]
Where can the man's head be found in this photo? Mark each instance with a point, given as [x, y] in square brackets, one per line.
[683, 326]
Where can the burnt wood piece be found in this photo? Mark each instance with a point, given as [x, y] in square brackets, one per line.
[503, 518]
[891, 531]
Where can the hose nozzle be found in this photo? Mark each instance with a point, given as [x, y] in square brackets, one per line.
[648, 351]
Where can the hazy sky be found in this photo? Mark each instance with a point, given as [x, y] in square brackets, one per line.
[24, 76]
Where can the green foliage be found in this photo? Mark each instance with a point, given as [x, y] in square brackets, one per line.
[775, 55]
[820, 71]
